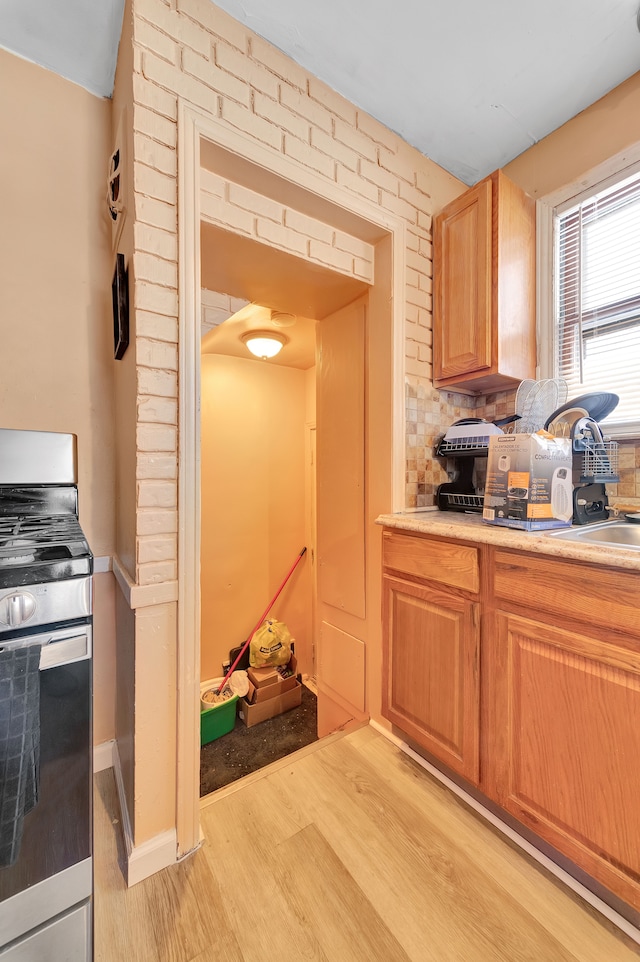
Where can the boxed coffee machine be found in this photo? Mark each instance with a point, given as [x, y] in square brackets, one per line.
[529, 483]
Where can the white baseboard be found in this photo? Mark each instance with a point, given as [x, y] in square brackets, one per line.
[581, 890]
[154, 854]
[103, 756]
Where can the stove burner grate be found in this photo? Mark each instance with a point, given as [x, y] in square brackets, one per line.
[39, 548]
[19, 532]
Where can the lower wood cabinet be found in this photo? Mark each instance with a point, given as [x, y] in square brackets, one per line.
[540, 710]
[564, 710]
[430, 672]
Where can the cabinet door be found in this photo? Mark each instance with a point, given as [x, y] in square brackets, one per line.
[430, 673]
[566, 744]
[462, 342]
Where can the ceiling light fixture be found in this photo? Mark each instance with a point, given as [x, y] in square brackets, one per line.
[264, 344]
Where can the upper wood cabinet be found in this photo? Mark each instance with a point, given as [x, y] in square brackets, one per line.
[484, 288]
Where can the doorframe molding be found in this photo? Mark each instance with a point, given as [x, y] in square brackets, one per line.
[193, 126]
[310, 436]
[188, 620]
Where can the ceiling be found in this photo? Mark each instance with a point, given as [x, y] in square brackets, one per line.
[299, 351]
[257, 272]
[470, 84]
[269, 279]
[77, 39]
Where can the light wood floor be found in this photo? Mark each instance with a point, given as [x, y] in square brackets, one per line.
[346, 853]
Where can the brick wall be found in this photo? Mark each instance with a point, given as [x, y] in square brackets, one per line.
[190, 49]
[254, 215]
[217, 308]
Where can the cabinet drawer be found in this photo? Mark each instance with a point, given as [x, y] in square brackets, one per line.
[596, 596]
[446, 563]
[67, 938]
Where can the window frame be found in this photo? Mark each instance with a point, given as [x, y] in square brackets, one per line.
[599, 178]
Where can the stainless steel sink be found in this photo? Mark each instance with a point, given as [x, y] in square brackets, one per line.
[616, 534]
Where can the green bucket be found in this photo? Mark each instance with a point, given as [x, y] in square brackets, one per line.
[217, 720]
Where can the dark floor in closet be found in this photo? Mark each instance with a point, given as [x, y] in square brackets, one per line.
[245, 750]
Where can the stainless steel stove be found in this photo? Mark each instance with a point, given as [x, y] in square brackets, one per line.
[45, 703]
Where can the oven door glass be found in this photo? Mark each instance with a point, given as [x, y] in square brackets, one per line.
[57, 830]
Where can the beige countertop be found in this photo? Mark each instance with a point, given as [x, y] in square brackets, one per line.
[471, 527]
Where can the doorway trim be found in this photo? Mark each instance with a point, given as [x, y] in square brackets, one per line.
[194, 125]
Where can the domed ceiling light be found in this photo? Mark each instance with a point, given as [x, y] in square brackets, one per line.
[264, 344]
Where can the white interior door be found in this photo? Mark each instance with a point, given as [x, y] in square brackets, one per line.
[341, 521]
[311, 539]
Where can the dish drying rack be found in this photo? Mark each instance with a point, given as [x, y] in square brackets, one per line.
[597, 462]
[459, 494]
[463, 447]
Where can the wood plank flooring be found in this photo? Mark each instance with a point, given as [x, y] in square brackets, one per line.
[345, 852]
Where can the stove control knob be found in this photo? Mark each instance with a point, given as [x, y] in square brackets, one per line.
[17, 608]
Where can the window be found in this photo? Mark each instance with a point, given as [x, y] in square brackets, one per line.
[596, 329]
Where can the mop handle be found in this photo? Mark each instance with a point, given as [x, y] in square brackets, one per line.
[262, 617]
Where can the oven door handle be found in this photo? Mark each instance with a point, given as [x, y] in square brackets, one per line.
[59, 648]
[64, 651]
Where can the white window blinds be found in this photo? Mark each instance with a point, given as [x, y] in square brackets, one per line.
[597, 298]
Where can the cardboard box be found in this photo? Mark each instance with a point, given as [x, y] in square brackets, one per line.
[529, 483]
[265, 683]
[261, 677]
[271, 691]
[270, 707]
[268, 700]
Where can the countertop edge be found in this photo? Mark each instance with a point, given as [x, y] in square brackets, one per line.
[468, 527]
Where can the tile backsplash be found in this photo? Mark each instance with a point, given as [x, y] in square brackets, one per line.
[429, 412]
[629, 472]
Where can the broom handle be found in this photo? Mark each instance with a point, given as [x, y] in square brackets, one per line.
[262, 617]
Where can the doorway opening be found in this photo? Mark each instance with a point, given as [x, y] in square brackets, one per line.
[257, 508]
[258, 502]
[205, 145]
